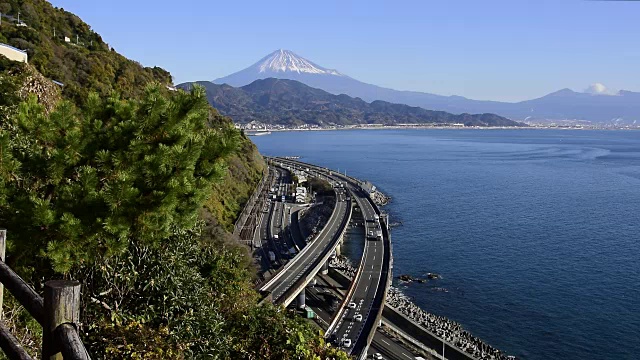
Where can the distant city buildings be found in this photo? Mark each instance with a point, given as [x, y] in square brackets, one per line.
[258, 127]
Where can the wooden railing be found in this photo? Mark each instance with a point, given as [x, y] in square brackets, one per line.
[58, 313]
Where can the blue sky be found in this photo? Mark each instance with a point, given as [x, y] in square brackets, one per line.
[498, 50]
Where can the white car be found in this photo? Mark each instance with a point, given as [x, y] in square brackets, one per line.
[352, 305]
[358, 318]
[346, 343]
[377, 356]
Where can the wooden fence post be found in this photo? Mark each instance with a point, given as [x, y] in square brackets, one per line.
[3, 248]
[61, 306]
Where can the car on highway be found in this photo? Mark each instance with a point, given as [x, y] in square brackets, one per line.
[352, 305]
[358, 318]
[377, 356]
[346, 343]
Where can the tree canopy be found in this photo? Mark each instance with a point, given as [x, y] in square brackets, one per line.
[86, 63]
[81, 182]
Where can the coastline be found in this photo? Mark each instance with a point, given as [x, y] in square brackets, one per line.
[450, 332]
[419, 127]
[441, 327]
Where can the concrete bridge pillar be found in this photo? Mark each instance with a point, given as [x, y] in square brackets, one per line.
[325, 268]
[301, 300]
[338, 247]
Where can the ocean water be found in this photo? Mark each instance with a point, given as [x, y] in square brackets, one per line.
[536, 233]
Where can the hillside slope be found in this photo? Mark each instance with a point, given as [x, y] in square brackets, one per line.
[123, 212]
[289, 102]
[85, 63]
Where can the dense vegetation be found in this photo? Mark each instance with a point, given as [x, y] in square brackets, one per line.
[289, 102]
[85, 63]
[131, 189]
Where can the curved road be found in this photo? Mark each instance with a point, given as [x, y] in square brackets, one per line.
[370, 286]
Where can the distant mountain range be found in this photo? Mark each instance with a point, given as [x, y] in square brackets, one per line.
[290, 102]
[622, 107]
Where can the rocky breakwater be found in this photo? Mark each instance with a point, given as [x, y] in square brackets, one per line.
[447, 330]
[379, 198]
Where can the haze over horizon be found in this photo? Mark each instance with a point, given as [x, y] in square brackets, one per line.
[492, 50]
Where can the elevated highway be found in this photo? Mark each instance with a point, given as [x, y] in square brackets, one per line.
[359, 315]
[292, 279]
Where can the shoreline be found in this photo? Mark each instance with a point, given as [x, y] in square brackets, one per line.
[449, 331]
[419, 127]
[445, 329]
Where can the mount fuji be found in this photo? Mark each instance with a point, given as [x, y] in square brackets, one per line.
[285, 64]
[618, 108]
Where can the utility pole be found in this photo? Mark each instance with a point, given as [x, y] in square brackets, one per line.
[54, 32]
[77, 39]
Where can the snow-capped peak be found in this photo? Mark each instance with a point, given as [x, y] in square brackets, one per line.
[287, 61]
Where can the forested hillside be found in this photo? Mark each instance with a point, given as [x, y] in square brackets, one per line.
[131, 189]
[290, 102]
[85, 62]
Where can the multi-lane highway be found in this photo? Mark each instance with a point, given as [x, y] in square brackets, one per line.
[292, 278]
[323, 298]
[360, 313]
[352, 324]
[364, 298]
[302, 266]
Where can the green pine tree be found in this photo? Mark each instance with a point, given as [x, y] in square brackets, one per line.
[79, 183]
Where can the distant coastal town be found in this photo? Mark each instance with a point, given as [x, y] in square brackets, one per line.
[255, 128]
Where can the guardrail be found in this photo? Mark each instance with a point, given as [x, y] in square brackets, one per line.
[58, 313]
[304, 250]
[424, 336]
[381, 296]
[345, 301]
[291, 293]
[360, 347]
[248, 207]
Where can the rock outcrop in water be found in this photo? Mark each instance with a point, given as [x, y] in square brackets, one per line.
[442, 327]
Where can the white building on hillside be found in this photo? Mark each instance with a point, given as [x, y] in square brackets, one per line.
[301, 175]
[13, 53]
[301, 194]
